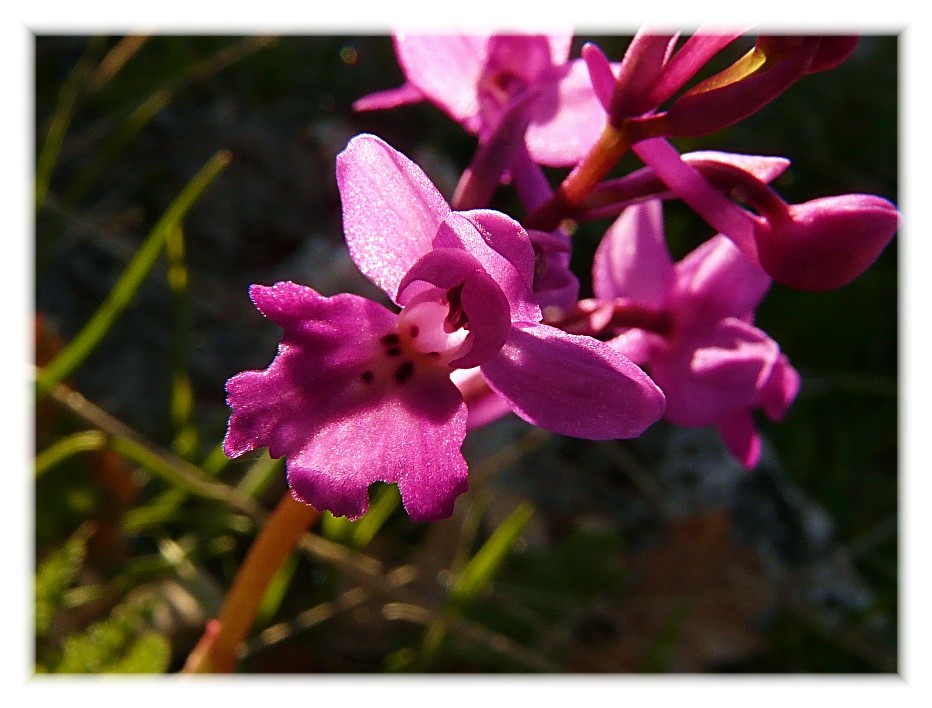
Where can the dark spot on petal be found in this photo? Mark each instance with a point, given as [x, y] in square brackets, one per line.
[393, 351]
[404, 372]
[390, 339]
[433, 353]
[414, 331]
[367, 377]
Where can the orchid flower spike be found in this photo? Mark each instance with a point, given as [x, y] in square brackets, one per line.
[360, 393]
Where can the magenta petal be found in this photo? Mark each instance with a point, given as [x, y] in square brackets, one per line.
[389, 98]
[412, 437]
[485, 306]
[328, 343]
[600, 73]
[632, 260]
[447, 69]
[707, 378]
[503, 248]
[638, 345]
[716, 281]
[567, 117]
[687, 61]
[766, 168]
[640, 68]
[498, 148]
[333, 403]
[740, 436]
[781, 389]
[391, 210]
[573, 385]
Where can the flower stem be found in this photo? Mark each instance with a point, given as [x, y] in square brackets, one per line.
[605, 154]
[217, 649]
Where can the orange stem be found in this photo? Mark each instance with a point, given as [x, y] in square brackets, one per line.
[216, 651]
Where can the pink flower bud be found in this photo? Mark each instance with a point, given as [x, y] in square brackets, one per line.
[826, 243]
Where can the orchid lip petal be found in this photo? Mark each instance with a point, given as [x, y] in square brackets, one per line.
[337, 377]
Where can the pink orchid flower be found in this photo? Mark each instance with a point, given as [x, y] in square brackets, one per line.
[359, 393]
[478, 79]
[712, 364]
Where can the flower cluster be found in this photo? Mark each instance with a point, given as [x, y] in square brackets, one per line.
[485, 314]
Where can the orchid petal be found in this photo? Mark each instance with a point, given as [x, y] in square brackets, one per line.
[716, 281]
[412, 437]
[391, 210]
[600, 73]
[389, 98]
[504, 251]
[639, 71]
[706, 378]
[486, 307]
[780, 390]
[330, 404]
[721, 213]
[446, 68]
[828, 242]
[632, 260]
[573, 385]
[567, 117]
[740, 436]
[696, 51]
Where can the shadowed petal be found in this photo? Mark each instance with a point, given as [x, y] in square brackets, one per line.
[741, 437]
[717, 280]
[706, 378]
[573, 385]
[632, 260]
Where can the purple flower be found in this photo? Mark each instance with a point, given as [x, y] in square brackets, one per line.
[478, 79]
[358, 393]
[699, 344]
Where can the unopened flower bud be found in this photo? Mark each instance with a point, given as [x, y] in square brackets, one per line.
[825, 243]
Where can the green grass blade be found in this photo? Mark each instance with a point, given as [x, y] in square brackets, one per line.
[60, 450]
[368, 526]
[480, 570]
[181, 407]
[129, 282]
[260, 475]
[61, 118]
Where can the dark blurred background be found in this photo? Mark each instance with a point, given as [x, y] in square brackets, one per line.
[651, 555]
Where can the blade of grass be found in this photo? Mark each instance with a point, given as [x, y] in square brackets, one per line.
[475, 577]
[181, 406]
[60, 450]
[129, 282]
[260, 475]
[116, 59]
[480, 570]
[126, 130]
[61, 118]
